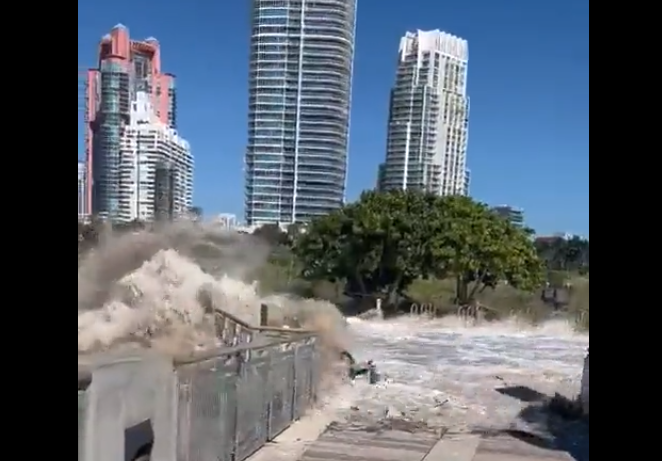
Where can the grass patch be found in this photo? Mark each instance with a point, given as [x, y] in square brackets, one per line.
[506, 301]
[503, 302]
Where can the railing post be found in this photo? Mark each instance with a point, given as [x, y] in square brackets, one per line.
[373, 377]
[584, 390]
[270, 393]
[311, 375]
[235, 413]
[264, 315]
[316, 372]
[295, 375]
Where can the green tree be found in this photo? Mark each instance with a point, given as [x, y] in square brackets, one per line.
[479, 249]
[375, 245]
[384, 241]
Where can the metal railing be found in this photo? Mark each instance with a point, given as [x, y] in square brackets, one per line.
[227, 402]
[233, 331]
[584, 393]
[232, 404]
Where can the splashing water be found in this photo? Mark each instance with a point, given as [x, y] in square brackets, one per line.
[146, 289]
[443, 373]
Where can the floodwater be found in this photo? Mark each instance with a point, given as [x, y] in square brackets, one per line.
[446, 373]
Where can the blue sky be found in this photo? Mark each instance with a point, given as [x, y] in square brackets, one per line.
[528, 83]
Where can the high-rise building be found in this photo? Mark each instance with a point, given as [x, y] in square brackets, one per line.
[155, 171]
[301, 58]
[429, 116]
[512, 214]
[82, 211]
[125, 67]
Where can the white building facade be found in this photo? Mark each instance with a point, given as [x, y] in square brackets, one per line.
[428, 125]
[149, 146]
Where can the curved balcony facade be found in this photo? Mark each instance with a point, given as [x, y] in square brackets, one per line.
[299, 97]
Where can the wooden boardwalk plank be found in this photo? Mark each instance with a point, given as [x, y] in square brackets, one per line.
[387, 445]
[512, 449]
[458, 448]
[350, 444]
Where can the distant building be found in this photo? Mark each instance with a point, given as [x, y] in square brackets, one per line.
[514, 215]
[226, 221]
[561, 236]
[547, 239]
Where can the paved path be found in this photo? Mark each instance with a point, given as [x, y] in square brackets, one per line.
[349, 444]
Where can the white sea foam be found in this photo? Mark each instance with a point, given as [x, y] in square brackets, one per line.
[444, 373]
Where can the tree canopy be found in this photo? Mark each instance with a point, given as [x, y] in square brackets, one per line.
[386, 240]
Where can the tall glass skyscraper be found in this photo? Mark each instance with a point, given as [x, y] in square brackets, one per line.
[301, 59]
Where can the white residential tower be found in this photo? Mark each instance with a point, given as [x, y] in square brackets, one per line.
[429, 116]
[156, 167]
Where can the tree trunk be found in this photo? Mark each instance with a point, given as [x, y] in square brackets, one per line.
[461, 290]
